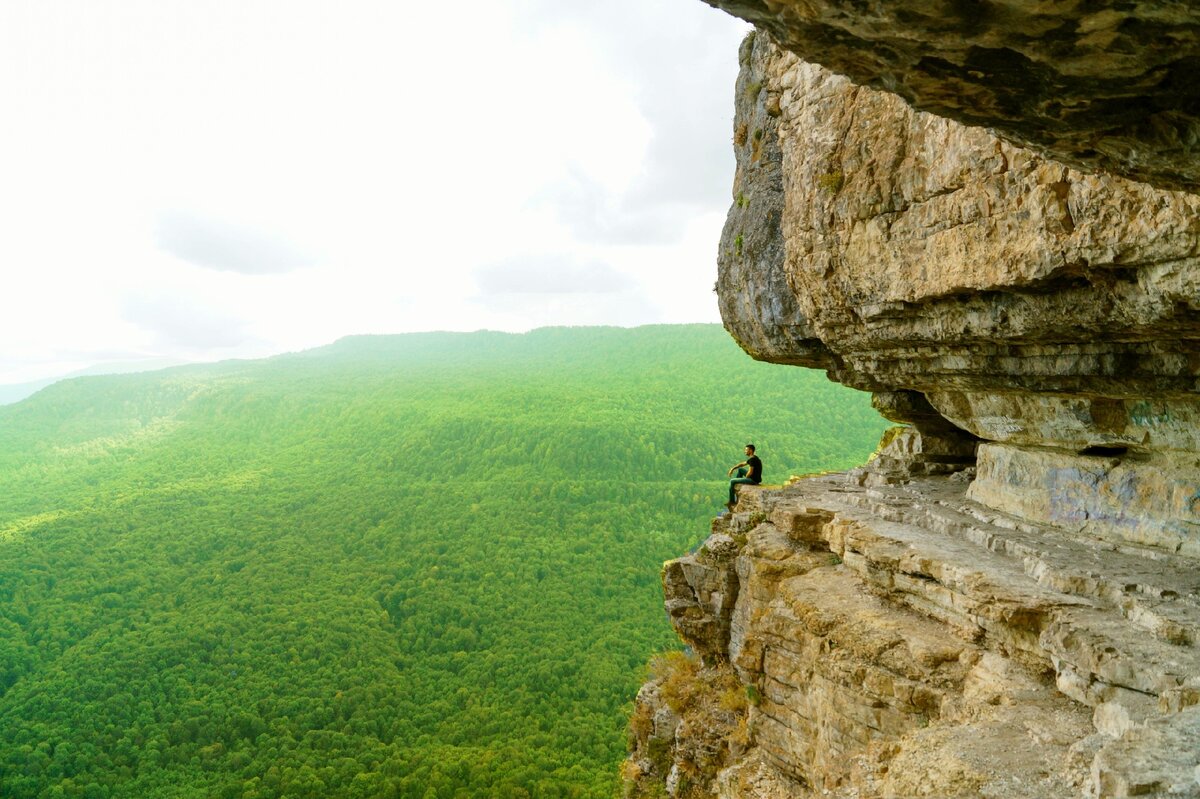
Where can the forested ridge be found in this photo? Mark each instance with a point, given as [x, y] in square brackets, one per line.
[397, 566]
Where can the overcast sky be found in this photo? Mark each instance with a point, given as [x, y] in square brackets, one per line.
[202, 180]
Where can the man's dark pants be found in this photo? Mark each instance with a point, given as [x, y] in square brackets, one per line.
[741, 479]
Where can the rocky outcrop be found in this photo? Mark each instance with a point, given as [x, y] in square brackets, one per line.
[900, 639]
[1099, 86]
[899, 249]
[690, 722]
[1005, 298]
[1005, 601]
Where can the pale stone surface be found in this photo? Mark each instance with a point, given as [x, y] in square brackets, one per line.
[1005, 601]
[901, 250]
[1153, 500]
[1075, 422]
[1025, 303]
[700, 591]
[899, 639]
[1158, 758]
[1104, 85]
[752, 776]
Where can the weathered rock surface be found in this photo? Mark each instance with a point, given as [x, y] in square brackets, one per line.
[689, 722]
[1005, 602]
[984, 293]
[1098, 85]
[905, 640]
[898, 249]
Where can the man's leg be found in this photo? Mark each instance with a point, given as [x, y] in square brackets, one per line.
[741, 479]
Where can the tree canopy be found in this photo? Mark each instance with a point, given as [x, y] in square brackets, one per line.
[404, 566]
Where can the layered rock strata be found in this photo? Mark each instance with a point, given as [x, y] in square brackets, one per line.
[1006, 601]
[903, 640]
[1051, 314]
[1098, 85]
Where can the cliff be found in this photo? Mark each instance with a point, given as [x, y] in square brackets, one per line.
[1006, 600]
[1105, 84]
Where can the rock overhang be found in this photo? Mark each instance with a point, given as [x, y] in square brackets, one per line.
[1030, 303]
[1004, 600]
[1107, 86]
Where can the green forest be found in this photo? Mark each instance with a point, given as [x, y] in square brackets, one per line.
[420, 566]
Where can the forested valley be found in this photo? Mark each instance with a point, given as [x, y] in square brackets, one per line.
[398, 566]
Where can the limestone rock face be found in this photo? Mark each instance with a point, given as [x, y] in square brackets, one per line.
[905, 640]
[984, 293]
[1100, 85]
[700, 590]
[899, 249]
[1005, 601]
[688, 724]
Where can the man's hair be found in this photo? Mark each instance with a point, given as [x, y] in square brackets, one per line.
[750, 447]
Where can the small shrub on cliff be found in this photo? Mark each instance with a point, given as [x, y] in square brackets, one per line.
[887, 438]
[653, 791]
[713, 726]
[745, 48]
[741, 134]
[831, 182]
[630, 772]
[641, 723]
[658, 751]
[637, 785]
[740, 737]
[733, 699]
[676, 673]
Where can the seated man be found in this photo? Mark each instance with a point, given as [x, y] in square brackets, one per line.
[749, 472]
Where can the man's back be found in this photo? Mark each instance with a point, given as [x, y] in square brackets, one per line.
[755, 468]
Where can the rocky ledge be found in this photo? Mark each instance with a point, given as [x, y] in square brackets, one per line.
[1006, 601]
[897, 639]
[982, 292]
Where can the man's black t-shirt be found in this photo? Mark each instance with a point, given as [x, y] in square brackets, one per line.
[756, 468]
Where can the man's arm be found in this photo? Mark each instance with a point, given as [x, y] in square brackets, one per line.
[736, 466]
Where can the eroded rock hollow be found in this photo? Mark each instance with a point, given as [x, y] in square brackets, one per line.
[1005, 601]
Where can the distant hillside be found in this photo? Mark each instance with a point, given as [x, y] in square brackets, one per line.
[402, 566]
[15, 392]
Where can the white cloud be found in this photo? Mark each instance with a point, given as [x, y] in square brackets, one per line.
[547, 274]
[185, 324]
[228, 247]
[199, 179]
